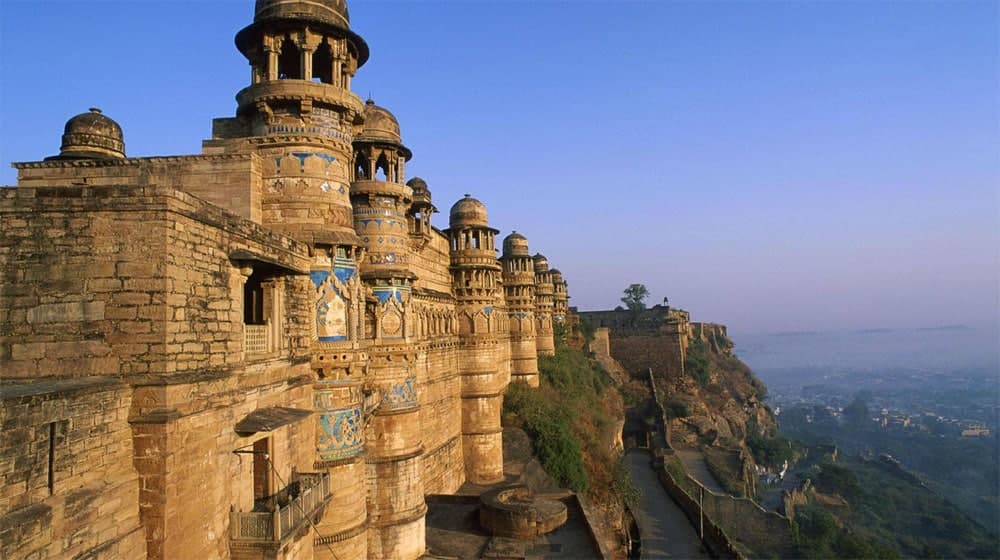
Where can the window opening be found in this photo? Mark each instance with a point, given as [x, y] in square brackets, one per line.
[381, 168]
[289, 62]
[361, 167]
[253, 300]
[322, 64]
[52, 458]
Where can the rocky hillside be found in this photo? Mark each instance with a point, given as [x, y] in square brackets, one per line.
[713, 401]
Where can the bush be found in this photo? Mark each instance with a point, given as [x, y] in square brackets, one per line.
[553, 440]
[623, 486]
[696, 362]
[835, 479]
[677, 408]
[769, 451]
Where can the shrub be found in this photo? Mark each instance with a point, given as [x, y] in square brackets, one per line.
[769, 451]
[696, 362]
[677, 408]
[553, 440]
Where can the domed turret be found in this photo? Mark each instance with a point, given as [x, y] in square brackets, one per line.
[419, 186]
[92, 135]
[541, 263]
[515, 245]
[326, 11]
[381, 127]
[468, 212]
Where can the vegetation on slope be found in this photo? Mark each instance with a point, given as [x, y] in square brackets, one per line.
[571, 419]
[890, 514]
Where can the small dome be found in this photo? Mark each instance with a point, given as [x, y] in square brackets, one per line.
[418, 185]
[421, 194]
[541, 263]
[327, 11]
[92, 135]
[468, 212]
[515, 245]
[380, 124]
[556, 275]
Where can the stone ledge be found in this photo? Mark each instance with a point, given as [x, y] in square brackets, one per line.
[51, 388]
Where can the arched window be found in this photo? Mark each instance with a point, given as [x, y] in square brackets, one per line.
[322, 64]
[360, 167]
[289, 61]
[381, 168]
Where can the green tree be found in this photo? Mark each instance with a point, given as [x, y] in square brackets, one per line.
[856, 413]
[635, 296]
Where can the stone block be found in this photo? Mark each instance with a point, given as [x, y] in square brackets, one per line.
[66, 312]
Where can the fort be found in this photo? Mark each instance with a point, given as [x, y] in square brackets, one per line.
[266, 350]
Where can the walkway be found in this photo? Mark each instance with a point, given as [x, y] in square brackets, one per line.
[663, 527]
[694, 464]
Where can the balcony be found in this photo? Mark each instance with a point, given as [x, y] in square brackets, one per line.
[285, 513]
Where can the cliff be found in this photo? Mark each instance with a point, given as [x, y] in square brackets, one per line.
[712, 397]
[692, 401]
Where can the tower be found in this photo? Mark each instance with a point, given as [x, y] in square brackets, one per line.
[519, 287]
[544, 339]
[476, 281]
[299, 117]
[560, 296]
[381, 201]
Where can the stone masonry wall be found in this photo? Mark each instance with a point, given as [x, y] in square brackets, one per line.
[231, 181]
[663, 353]
[83, 295]
[68, 487]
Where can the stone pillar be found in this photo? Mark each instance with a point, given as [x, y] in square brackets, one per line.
[339, 448]
[482, 403]
[395, 488]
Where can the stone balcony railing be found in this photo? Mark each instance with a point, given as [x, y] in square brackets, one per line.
[256, 339]
[311, 492]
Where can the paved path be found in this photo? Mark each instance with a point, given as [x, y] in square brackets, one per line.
[694, 464]
[663, 528]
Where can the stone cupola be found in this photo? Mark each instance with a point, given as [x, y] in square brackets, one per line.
[421, 210]
[474, 266]
[380, 198]
[91, 135]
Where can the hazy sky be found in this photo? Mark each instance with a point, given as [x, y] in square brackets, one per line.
[770, 165]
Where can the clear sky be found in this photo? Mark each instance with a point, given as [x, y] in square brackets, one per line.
[775, 166]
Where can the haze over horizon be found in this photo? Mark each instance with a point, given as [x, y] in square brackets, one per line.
[771, 166]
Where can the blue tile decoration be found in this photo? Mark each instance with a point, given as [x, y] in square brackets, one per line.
[343, 273]
[318, 277]
[341, 433]
[401, 395]
[383, 294]
[331, 304]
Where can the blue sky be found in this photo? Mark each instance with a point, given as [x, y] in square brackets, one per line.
[774, 166]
